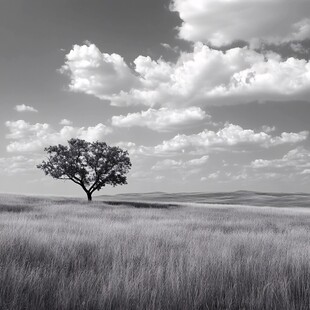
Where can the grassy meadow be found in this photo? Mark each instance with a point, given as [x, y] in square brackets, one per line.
[58, 253]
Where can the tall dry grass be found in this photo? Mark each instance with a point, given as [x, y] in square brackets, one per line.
[58, 254]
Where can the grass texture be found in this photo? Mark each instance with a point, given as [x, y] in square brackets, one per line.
[67, 254]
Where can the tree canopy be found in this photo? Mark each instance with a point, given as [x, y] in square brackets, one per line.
[92, 165]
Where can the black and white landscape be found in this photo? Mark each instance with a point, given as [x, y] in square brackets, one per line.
[154, 154]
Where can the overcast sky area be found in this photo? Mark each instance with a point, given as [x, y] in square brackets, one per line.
[206, 95]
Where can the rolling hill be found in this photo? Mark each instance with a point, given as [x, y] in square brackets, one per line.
[235, 198]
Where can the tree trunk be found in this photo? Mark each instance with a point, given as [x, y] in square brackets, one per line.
[89, 197]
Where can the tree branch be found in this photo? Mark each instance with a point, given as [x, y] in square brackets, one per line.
[73, 180]
[94, 188]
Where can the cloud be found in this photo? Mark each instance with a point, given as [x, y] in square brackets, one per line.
[241, 176]
[146, 176]
[231, 137]
[293, 166]
[17, 165]
[135, 150]
[34, 137]
[221, 22]
[163, 119]
[95, 73]
[268, 129]
[212, 176]
[168, 164]
[65, 122]
[297, 47]
[201, 77]
[25, 108]
[296, 159]
[168, 47]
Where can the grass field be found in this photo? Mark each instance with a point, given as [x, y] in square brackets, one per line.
[66, 254]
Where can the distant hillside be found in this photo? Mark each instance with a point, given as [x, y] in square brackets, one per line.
[239, 197]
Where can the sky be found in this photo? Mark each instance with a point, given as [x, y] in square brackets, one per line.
[206, 95]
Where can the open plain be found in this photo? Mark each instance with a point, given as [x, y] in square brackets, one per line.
[60, 253]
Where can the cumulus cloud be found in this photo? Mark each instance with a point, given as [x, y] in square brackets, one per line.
[163, 119]
[297, 47]
[65, 122]
[17, 165]
[168, 164]
[26, 137]
[295, 164]
[297, 159]
[214, 175]
[232, 137]
[268, 129]
[221, 22]
[25, 108]
[201, 77]
[95, 73]
[168, 47]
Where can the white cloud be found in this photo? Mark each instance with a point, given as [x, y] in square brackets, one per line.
[134, 149]
[197, 161]
[146, 176]
[140, 175]
[211, 176]
[222, 22]
[241, 176]
[95, 133]
[168, 47]
[34, 137]
[25, 108]
[297, 159]
[293, 166]
[168, 164]
[163, 119]
[232, 137]
[65, 122]
[202, 77]
[268, 129]
[299, 48]
[214, 175]
[95, 73]
[17, 165]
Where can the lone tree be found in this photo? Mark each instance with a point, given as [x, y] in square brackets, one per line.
[90, 165]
